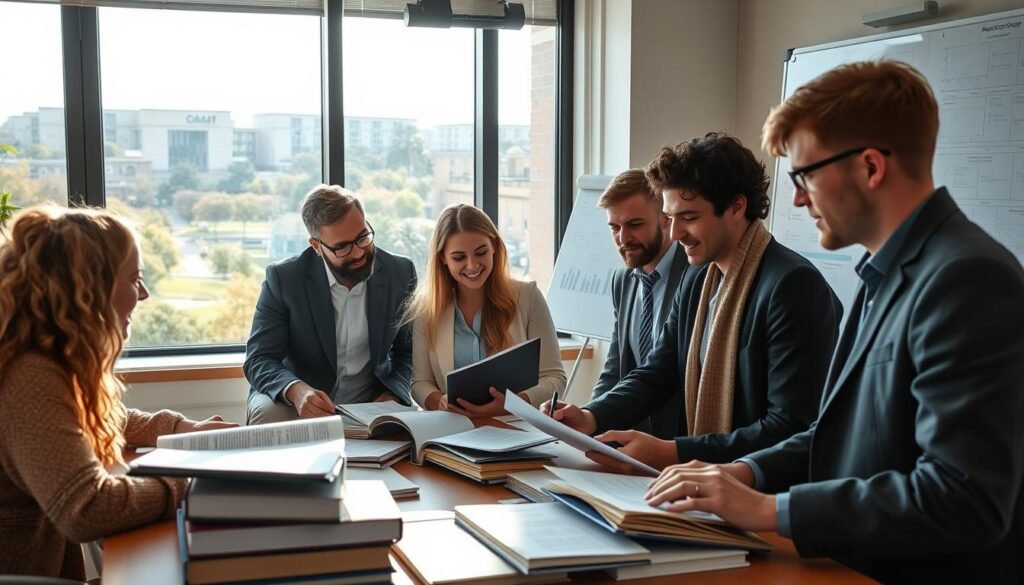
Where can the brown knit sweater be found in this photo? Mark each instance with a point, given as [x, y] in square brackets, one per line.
[54, 493]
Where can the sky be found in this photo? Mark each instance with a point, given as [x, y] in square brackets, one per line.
[248, 64]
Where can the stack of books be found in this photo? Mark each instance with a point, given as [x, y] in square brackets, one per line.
[290, 515]
[485, 454]
[338, 533]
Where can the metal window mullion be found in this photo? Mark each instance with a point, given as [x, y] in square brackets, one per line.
[485, 125]
[83, 109]
[564, 183]
[332, 105]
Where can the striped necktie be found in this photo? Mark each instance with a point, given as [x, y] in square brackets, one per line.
[646, 336]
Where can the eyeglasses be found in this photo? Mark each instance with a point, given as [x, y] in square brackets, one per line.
[799, 175]
[345, 248]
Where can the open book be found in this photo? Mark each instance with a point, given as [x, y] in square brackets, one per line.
[617, 503]
[447, 431]
[357, 417]
[299, 449]
[515, 369]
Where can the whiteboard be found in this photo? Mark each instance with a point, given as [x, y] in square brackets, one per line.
[976, 69]
[580, 292]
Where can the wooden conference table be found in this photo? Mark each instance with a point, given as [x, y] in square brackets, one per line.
[149, 554]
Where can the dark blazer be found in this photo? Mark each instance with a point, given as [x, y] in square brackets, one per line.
[916, 461]
[664, 422]
[790, 325]
[293, 332]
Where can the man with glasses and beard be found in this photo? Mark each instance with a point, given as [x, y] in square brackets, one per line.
[642, 291]
[325, 329]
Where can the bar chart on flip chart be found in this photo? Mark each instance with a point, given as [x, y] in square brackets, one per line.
[580, 293]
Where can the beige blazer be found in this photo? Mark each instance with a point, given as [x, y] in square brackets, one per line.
[430, 367]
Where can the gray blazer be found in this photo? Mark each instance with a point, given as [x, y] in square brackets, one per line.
[663, 422]
[913, 469]
[293, 333]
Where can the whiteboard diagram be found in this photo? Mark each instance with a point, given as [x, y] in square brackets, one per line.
[976, 69]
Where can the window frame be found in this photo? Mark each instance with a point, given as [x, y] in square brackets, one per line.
[84, 122]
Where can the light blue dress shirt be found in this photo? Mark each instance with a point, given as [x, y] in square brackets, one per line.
[469, 348]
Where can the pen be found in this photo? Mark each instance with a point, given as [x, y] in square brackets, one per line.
[554, 403]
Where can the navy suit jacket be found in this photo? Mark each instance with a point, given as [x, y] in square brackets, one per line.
[664, 422]
[293, 331]
[790, 326]
[913, 470]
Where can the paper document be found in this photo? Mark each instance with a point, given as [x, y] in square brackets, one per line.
[293, 432]
[494, 440]
[572, 437]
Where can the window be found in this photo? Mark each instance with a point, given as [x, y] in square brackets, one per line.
[210, 135]
[210, 150]
[526, 148]
[32, 105]
[412, 96]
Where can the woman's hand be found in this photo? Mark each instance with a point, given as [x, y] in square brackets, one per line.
[493, 408]
[211, 424]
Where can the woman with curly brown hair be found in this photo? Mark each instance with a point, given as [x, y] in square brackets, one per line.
[70, 280]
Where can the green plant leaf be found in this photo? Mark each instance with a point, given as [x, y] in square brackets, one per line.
[8, 149]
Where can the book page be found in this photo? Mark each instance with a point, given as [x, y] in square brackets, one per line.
[493, 440]
[321, 460]
[546, 424]
[365, 412]
[625, 492]
[423, 426]
[293, 432]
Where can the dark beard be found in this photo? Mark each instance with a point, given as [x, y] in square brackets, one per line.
[344, 275]
[650, 252]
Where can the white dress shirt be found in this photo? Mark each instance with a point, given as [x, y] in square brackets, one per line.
[352, 337]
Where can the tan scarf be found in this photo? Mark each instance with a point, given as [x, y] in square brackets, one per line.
[709, 390]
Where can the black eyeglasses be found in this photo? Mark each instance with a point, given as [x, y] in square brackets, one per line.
[799, 176]
[345, 248]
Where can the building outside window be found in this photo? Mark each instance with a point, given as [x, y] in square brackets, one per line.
[210, 151]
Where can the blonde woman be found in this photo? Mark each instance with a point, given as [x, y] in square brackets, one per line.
[71, 279]
[468, 306]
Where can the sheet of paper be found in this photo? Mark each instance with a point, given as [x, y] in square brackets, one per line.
[546, 424]
[494, 440]
[292, 432]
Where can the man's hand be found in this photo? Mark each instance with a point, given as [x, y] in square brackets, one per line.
[211, 424]
[386, 396]
[572, 416]
[308, 401]
[495, 407]
[651, 450]
[715, 488]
